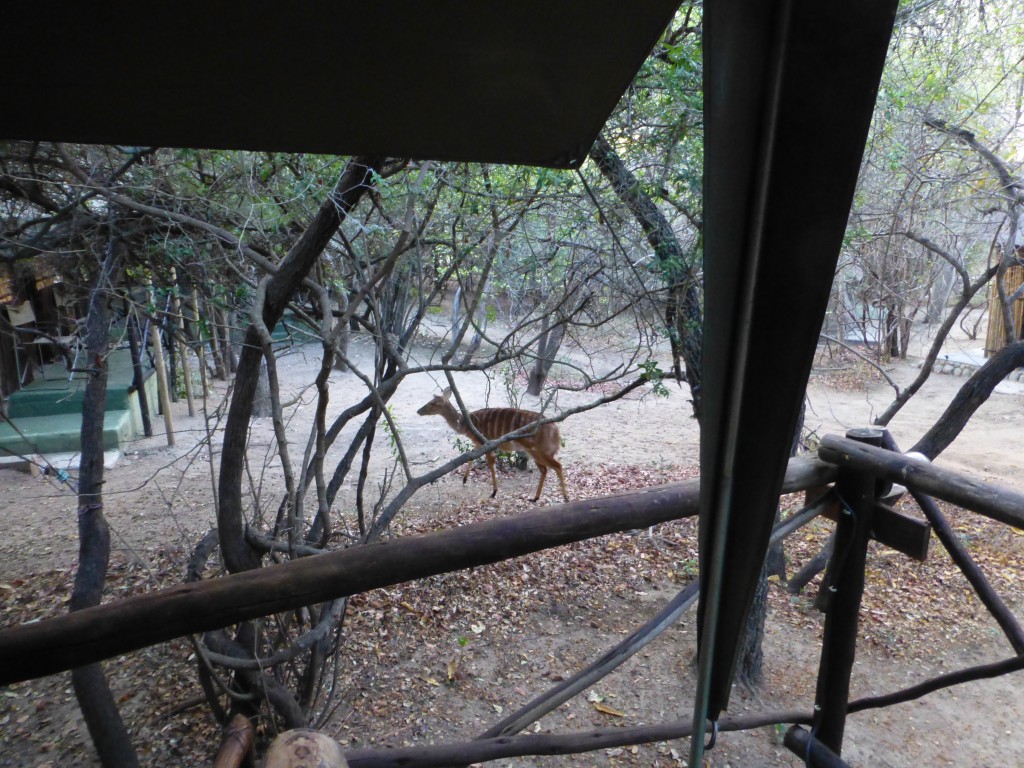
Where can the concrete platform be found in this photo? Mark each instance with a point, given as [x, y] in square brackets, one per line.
[964, 362]
[61, 433]
[45, 417]
[68, 462]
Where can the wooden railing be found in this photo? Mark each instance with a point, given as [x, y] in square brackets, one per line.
[860, 468]
[71, 640]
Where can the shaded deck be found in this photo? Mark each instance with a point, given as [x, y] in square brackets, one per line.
[45, 416]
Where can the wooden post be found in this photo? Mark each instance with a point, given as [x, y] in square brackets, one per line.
[161, 381]
[298, 748]
[856, 492]
[182, 347]
[236, 744]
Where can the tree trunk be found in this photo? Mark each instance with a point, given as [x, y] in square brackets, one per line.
[550, 341]
[172, 359]
[344, 332]
[683, 314]
[94, 697]
[750, 668]
[138, 377]
[216, 349]
[813, 567]
[354, 182]
[262, 408]
[477, 308]
[228, 344]
[970, 397]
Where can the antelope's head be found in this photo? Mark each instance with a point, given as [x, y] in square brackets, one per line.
[436, 405]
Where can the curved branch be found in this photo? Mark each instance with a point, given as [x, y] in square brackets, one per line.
[220, 233]
[862, 356]
[903, 398]
[971, 396]
[436, 755]
[431, 756]
[1011, 187]
[354, 182]
[640, 639]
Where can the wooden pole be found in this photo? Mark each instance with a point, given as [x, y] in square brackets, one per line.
[986, 499]
[302, 748]
[236, 744]
[64, 642]
[982, 588]
[951, 541]
[186, 371]
[856, 490]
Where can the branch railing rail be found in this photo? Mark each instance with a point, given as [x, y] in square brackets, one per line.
[66, 641]
[52, 645]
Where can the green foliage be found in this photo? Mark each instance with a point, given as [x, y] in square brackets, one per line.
[394, 432]
[503, 459]
[652, 373]
[510, 383]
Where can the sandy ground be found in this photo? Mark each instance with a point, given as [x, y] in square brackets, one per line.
[159, 495]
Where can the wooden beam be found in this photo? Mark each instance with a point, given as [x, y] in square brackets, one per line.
[71, 640]
[986, 499]
[236, 743]
[983, 589]
[901, 532]
[898, 531]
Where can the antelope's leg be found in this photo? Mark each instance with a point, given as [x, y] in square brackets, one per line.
[561, 478]
[494, 476]
[465, 475]
[543, 475]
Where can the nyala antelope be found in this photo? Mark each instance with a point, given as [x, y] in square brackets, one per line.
[542, 443]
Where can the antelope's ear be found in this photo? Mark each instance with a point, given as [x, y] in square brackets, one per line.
[447, 393]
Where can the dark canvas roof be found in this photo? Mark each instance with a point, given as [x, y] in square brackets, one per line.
[530, 81]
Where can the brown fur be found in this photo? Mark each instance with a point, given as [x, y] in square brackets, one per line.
[542, 443]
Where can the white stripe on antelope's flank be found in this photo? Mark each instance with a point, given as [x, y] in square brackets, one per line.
[542, 443]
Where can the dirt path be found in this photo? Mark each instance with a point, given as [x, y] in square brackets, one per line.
[159, 497]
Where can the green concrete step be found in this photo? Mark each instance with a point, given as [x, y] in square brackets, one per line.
[60, 432]
[51, 392]
[50, 398]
